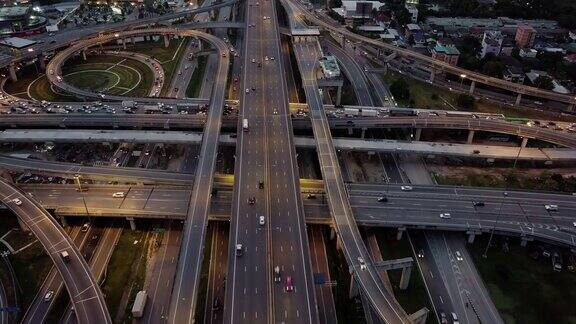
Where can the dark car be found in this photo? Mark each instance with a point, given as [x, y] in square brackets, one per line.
[478, 203]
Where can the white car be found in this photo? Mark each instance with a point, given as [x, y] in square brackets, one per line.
[459, 256]
[362, 263]
[48, 296]
[445, 215]
[17, 201]
[247, 90]
[261, 220]
[551, 207]
[119, 194]
[253, 60]
[406, 188]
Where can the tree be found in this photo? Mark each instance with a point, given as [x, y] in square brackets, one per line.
[493, 68]
[335, 3]
[400, 89]
[465, 101]
[543, 82]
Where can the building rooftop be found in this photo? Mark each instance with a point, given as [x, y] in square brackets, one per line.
[13, 12]
[330, 66]
[448, 50]
[16, 42]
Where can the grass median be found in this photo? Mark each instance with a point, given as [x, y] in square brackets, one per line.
[524, 290]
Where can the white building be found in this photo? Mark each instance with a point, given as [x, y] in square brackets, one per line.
[491, 43]
[357, 9]
[413, 12]
[329, 66]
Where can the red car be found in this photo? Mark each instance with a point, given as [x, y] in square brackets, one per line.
[289, 284]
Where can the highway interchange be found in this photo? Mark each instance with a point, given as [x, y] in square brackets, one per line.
[266, 171]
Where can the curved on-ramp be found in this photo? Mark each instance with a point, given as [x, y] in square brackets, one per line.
[54, 68]
[84, 291]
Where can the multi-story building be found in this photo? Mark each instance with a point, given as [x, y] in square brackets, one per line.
[330, 68]
[446, 53]
[491, 43]
[525, 36]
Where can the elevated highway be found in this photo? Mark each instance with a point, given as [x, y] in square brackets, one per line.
[362, 271]
[517, 213]
[549, 155]
[83, 290]
[187, 122]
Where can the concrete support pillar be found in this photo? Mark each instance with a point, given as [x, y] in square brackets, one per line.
[571, 107]
[472, 87]
[471, 237]
[23, 226]
[166, 41]
[84, 55]
[379, 52]
[518, 99]
[13, 76]
[350, 131]
[338, 244]
[525, 241]
[353, 287]
[524, 142]
[332, 232]
[133, 40]
[470, 137]
[338, 95]
[42, 63]
[420, 316]
[63, 221]
[405, 279]
[343, 41]
[363, 132]
[132, 223]
[124, 43]
[418, 134]
[432, 75]
[400, 232]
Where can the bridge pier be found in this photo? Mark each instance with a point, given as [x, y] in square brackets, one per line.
[13, 75]
[133, 40]
[470, 136]
[420, 316]
[472, 87]
[338, 95]
[63, 221]
[353, 292]
[42, 63]
[571, 107]
[518, 99]
[525, 240]
[124, 43]
[332, 232]
[363, 132]
[432, 75]
[401, 231]
[472, 236]
[132, 223]
[405, 279]
[524, 142]
[84, 55]
[166, 41]
[418, 134]
[350, 130]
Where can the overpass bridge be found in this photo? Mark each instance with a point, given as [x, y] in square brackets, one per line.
[511, 212]
[493, 152]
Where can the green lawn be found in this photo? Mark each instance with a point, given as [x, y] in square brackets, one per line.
[110, 74]
[545, 181]
[169, 56]
[125, 255]
[40, 88]
[422, 96]
[31, 267]
[525, 291]
[195, 84]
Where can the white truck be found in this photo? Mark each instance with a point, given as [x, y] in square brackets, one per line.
[139, 304]
[245, 125]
